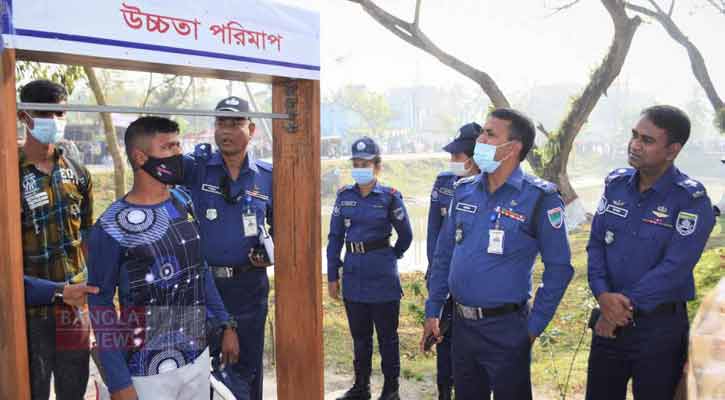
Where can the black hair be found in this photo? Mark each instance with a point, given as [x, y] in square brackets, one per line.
[43, 91]
[521, 128]
[147, 127]
[671, 119]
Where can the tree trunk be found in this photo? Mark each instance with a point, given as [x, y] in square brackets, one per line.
[119, 166]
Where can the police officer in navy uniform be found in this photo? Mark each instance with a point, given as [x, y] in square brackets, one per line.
[461, 165]
[232, 194]
[649, 231]
[497, 224]
[362, 220]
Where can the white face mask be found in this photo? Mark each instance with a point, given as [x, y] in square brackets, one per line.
[458, 168]
[48, 130]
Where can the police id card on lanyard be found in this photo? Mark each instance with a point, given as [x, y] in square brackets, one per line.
[495, 234]
[249, 219]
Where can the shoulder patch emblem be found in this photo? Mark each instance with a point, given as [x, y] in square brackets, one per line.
[686, 223]
[602, 206]
[556, 217]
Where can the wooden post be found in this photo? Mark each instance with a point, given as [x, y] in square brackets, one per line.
[298, 275]
[14, 377]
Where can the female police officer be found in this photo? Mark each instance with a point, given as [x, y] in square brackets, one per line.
[362, 220]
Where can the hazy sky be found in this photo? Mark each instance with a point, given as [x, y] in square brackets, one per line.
[517, 42]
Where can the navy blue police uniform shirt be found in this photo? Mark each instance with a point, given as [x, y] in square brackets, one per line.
[645, 245]
[223, 240]
[371, 277]
[440, 201]
[531, 214]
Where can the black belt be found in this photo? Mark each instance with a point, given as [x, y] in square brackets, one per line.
[476, 313]
[661, 309]
[229, 272]
[364, 247]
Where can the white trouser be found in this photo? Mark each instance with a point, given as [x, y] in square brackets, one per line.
[190, 382]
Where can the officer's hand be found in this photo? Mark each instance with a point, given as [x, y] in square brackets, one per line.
[257, 259]
[75, 295]
[230, 347]
[605, 328]
[616, 308]
[128, 393]
[334, 289]
[431, 328]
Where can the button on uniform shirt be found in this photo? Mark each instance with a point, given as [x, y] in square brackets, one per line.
[371, 277]
[645, 245]
[224, 243]
[531, 216]
[57, 210]
[152, 254]
[440, 201]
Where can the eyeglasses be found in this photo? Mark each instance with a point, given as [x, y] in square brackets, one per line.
[230, 122]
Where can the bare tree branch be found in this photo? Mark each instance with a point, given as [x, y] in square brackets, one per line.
[719, 6]
[556, 10]
[543, 130]
[672, 9]
[415, 36]
[697, 61]
[416, 21]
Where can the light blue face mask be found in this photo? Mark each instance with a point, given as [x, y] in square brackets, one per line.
[48, 130]
[485, 157]
[362, 176]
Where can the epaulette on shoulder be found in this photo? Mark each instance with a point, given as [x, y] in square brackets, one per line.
[344, 188]
[202, 151]
[693, 187]
[264, 165]
[619, 173]
[542, 184]
[393, 191]
[464, 181]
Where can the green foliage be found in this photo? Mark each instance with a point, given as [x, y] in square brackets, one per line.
[67, 75]
[372, 107]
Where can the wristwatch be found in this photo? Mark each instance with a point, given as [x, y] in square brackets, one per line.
[58, 293]
[231, 323]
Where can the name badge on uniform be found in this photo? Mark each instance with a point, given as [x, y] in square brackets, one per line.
[249, 220]
[211, 214]
[495, 241]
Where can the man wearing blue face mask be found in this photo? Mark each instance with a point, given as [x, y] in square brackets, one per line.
[497, 223]
[461, 165]
[57, 208]
[362, 219]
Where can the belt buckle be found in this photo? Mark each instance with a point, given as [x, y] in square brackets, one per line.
[358, 247]
[228, 272]
[468, 312]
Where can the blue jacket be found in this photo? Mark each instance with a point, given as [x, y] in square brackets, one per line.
[531, 214]
[645, 245]
[440, 201]
[371, 277]
[223, 241]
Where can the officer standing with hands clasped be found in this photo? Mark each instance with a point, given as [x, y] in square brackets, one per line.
[362, 219]
[461, 165]
[232, 193]
[497, 224]
[642, 330]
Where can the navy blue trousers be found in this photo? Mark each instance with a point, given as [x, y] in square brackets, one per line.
[652, 353]
[246, 377]
[492, 355]
[362, 317]
[444, 364]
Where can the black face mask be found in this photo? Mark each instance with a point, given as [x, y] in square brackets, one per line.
[168, 170]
